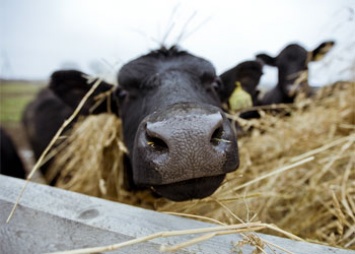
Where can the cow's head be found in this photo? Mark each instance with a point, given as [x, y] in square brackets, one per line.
[180, 143]
[248, 73]
[292, 63]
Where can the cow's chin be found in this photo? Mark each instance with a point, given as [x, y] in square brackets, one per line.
[190, 189]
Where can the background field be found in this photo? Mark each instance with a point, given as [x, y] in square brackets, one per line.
[14, 96]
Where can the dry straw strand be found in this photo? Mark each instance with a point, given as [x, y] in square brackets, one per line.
[210, 232]
[278, 171]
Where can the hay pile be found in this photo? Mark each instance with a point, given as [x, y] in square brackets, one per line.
[313, 199]
[90, 161]
[97, 141]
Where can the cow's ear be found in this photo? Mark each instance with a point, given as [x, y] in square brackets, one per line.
[319, 53]
[266, 59]
[71, 86]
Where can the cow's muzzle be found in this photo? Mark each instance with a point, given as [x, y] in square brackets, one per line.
[182, 143]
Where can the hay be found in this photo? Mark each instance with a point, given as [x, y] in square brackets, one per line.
[314, 200]
[92, 161]
[97, 142]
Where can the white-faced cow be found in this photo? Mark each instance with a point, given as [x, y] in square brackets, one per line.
[180, 142]
[10, 161]
[292, 64]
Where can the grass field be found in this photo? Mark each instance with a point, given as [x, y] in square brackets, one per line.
[14, 96]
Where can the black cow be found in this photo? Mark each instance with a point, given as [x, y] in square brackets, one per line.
[180, 142]
[248, 73]
[10, 161]
[43, 117]
[292, 64]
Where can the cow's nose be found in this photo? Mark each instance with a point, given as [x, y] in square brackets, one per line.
[164, 135]
[179, 147]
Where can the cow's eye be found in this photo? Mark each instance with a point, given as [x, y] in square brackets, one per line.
[120, 94]
[217, 84]
[211, 82]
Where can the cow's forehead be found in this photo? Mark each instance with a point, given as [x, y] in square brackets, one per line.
[293, 49]
[164, 59]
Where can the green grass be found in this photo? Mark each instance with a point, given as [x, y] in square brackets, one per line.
[18, 87]
[14, 96]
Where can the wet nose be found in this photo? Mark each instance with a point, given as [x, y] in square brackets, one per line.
[184, 133]
[185, 147]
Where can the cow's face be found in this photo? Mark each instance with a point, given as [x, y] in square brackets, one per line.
[181, 145]
[249, 74]
[292, 64]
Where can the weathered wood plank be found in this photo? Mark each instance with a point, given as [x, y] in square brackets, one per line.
[50, 219]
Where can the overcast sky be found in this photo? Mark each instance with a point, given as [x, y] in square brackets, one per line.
[38, 37]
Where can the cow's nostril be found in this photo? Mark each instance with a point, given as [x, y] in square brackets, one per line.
[155, 138]
[216, 137]
[157, 144]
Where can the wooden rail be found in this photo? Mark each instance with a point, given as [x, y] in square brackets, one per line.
[50, 219]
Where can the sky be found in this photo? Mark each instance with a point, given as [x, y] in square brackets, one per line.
[38, 37]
